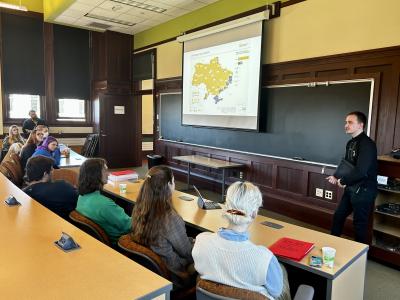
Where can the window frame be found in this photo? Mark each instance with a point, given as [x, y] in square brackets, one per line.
[70, 119]
[49, 113]
[18, 121]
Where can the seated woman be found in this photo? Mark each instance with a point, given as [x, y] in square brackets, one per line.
[49, 148]
[230, 258]
[13, 137]
[35, 138]
[92, 204]
[156, 224]
[14, 149]
[44, 129]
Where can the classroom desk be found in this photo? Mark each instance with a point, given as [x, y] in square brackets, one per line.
[344, 281]
[32, 267]
[209, 163]
[73, 161]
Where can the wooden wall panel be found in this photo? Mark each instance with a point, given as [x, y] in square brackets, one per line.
[289, 179]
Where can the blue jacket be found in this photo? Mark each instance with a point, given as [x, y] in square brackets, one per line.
[56, 155]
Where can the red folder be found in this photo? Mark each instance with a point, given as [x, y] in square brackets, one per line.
[125, 172]
[291, 248]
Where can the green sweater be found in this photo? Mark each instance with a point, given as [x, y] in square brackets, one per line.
[104, 212]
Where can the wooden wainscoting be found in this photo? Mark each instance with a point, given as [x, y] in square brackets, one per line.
[288, 187]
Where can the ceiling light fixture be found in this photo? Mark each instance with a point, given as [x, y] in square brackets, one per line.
[112, 20]
[13, 6]
[141, 5]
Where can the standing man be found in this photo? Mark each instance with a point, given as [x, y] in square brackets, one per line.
[360, 186]
[30, 124]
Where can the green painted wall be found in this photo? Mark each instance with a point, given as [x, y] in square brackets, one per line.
[52, 8]
[31, 5]
[205, 15]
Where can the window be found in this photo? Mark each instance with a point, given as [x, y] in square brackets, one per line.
[21, 104]
[71, 110]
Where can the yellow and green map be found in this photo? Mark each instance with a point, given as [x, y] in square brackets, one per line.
[213, 76]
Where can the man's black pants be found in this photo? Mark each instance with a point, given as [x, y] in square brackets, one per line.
[359, 202]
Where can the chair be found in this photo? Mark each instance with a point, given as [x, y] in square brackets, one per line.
[91, 146]
[152, 261]
[209, 290]
[143, 256]
[12, 169]
[89, 227]
[67, 175]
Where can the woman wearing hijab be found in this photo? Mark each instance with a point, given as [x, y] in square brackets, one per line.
[49, 148]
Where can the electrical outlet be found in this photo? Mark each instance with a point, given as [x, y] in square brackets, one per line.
[328, 195]
[240, 175]
[319, 192]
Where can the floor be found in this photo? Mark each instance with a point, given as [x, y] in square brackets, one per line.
[382, 282]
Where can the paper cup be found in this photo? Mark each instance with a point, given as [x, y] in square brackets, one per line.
[328, 256]
[122, 188]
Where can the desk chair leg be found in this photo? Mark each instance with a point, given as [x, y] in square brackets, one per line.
[223, 186]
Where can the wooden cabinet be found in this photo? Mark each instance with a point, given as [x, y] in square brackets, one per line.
[386, 223]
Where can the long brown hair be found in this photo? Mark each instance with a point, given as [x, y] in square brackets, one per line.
[153, 205]
[91, 175]
[13, 138]
[32, 138]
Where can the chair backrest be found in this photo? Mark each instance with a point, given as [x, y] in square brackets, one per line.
[143, 256]
[91, 146]
[89, 227]
[12, 169]
[209, 290]
[67, 175]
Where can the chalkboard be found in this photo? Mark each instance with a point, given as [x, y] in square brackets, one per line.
[295, 121]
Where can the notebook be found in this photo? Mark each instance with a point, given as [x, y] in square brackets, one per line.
[291, 248]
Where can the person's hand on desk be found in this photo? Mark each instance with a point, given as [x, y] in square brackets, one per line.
[332, 179]
[340, 184]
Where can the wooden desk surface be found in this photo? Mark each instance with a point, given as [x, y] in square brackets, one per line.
[32, 267]
[74, 160]
[388, 158]
[207, 162]
[347, 250]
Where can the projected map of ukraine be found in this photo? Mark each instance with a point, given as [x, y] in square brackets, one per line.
[214, 77]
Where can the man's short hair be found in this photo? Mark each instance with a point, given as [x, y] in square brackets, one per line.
[37, 167]
[31, 111]
[361, 118]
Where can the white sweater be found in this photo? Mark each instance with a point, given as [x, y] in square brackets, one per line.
[239, 264]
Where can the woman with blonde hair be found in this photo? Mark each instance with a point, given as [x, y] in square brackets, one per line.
[34, 139]
[235, 260]
[156, 225]
[13, 137]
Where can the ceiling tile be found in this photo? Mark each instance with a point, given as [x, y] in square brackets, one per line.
[65, 20]
[192, 5]
[143, 13]
[115, 7]
[176, 12]
[92, 3]
[81, 7]
[158, 4]
[173, 2]
[104, 12]
[150, 22]
[130, 18]
[72, 13]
